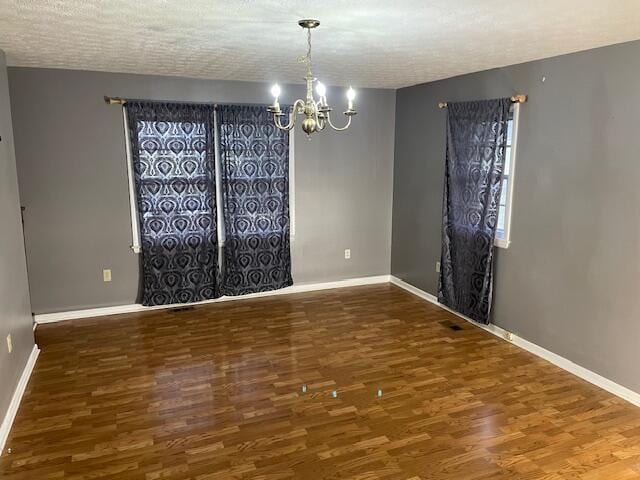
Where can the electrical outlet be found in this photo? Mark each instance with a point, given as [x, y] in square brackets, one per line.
[106, 275]
[508, 336]
[438, 267]
[9, 343]
[347, 253]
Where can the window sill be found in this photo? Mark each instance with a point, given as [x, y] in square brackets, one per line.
[501, 243]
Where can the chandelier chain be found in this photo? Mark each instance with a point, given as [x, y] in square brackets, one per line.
[306, 59]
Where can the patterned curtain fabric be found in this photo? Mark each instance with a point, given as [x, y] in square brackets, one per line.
[255, 185]
[476, 144]
[172, 147]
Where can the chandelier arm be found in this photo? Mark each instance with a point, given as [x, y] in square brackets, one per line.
[319, 121]
[290, 124]
[287, 127]
[297, 105]
[339, 129]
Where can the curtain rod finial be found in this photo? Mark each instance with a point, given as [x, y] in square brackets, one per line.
[114, 100]
[520, 98]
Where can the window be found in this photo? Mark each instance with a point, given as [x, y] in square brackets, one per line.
[503, 229]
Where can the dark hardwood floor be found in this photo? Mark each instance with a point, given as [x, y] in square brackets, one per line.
[216, 393]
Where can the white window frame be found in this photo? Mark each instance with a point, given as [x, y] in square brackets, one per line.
[505, 240]
[220, 230]
[133, 203]
[292, 184]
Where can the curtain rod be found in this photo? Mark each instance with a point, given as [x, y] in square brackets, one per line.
[520, 98]
[122, 101]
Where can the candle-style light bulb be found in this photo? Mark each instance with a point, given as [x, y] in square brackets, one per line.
[351, 95]
[275, 91]
[321, 91]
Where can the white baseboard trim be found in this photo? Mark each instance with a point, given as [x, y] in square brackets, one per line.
[7, 422]
[588, 375]
[305, 287]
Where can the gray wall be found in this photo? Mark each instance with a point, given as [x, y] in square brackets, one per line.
[15, 310]
[569, 281]
[72, 174]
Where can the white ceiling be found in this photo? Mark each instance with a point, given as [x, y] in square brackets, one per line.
[367, 43]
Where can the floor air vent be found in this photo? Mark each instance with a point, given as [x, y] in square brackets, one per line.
[182, 309]
[451, 326]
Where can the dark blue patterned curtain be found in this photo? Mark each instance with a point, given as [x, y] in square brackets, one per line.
[255, 184]
[476, 144]
[172, 147]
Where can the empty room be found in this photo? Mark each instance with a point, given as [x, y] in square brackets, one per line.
[364, 240]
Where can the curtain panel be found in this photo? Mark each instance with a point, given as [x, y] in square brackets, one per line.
[475, 153]
[173, 156]
[254, 156]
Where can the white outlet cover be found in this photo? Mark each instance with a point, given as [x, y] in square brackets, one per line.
[438, 267]
[106, 275]
[347, 253]
[9, 343]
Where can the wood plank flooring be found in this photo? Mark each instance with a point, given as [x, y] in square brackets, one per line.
[216, 393]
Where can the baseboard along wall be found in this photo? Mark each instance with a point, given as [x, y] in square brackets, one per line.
[305, 287]
[10, 416]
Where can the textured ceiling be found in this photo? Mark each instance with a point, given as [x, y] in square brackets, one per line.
[367, 43]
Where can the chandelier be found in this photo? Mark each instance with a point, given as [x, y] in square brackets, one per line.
[317, 113]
